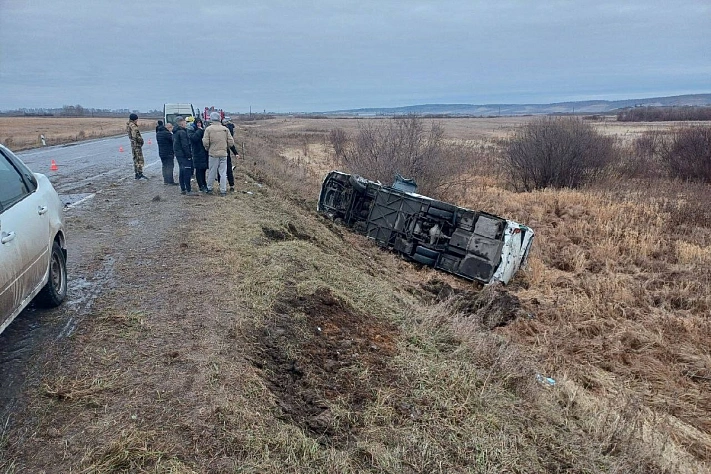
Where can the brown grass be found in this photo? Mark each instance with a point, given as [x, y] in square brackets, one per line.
[21, 133]
[302, 347]
[618, 289]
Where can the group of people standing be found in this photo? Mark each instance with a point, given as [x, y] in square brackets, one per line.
[204, 151]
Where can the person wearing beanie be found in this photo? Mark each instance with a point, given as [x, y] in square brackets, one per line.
[134, 134]
[217, 140]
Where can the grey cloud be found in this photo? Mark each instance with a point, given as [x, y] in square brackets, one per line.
[321, 55]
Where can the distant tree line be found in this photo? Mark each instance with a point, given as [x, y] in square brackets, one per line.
[76, 111]
[664, 114]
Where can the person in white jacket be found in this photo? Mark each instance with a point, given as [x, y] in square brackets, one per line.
[217, 140]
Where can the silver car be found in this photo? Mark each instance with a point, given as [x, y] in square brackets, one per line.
[32, 242]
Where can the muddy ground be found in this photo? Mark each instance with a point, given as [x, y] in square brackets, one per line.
[156, 303]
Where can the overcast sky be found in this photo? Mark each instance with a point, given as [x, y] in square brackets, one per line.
[319, 55]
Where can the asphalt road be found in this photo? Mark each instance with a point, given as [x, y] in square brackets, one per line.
[85, 170]
[87, 167]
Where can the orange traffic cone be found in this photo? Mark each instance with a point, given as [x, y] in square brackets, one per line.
[120, 149]
[53, 166]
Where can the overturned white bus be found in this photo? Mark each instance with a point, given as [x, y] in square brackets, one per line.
[471, 244]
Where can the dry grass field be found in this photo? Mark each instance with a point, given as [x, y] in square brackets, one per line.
[21, 133]
[331, 355]
[618, 292]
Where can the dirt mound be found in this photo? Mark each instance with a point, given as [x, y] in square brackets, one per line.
[492, 307]
[439, 290]
[319, 357]
[291, 232]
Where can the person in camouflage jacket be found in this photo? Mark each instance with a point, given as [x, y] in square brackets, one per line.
[134, 134]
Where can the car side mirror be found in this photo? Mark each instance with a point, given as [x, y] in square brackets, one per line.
[32, 179]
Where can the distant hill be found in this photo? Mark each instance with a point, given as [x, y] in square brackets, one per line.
[580, 107]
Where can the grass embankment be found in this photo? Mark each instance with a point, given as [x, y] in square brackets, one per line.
[22, 133]
[618, 295]
[279, 342]
[291, 346]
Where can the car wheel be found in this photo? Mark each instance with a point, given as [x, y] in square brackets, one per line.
[425, 252]
[424, 260]
[357, 185]
[440, 213]
[55, 290]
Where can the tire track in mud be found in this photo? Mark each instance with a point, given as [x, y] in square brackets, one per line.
[83, 293]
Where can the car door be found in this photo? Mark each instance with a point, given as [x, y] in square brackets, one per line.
[24, 241]
[9, 270]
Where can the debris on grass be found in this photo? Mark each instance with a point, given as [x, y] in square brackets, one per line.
[545, 380]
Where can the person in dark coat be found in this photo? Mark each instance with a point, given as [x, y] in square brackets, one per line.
[184, 155]
[232, 151]
[200, 160]
[165, 150]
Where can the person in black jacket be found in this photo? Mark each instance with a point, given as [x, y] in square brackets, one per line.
[200, 160]
[165, 150]
[181, 147]
[164, 138]
[232, 151]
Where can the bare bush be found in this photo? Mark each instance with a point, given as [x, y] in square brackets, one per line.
[339, 139]
[556, 152]
[642, 158]
[407, 147]
[688, 154]
[649, 144]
